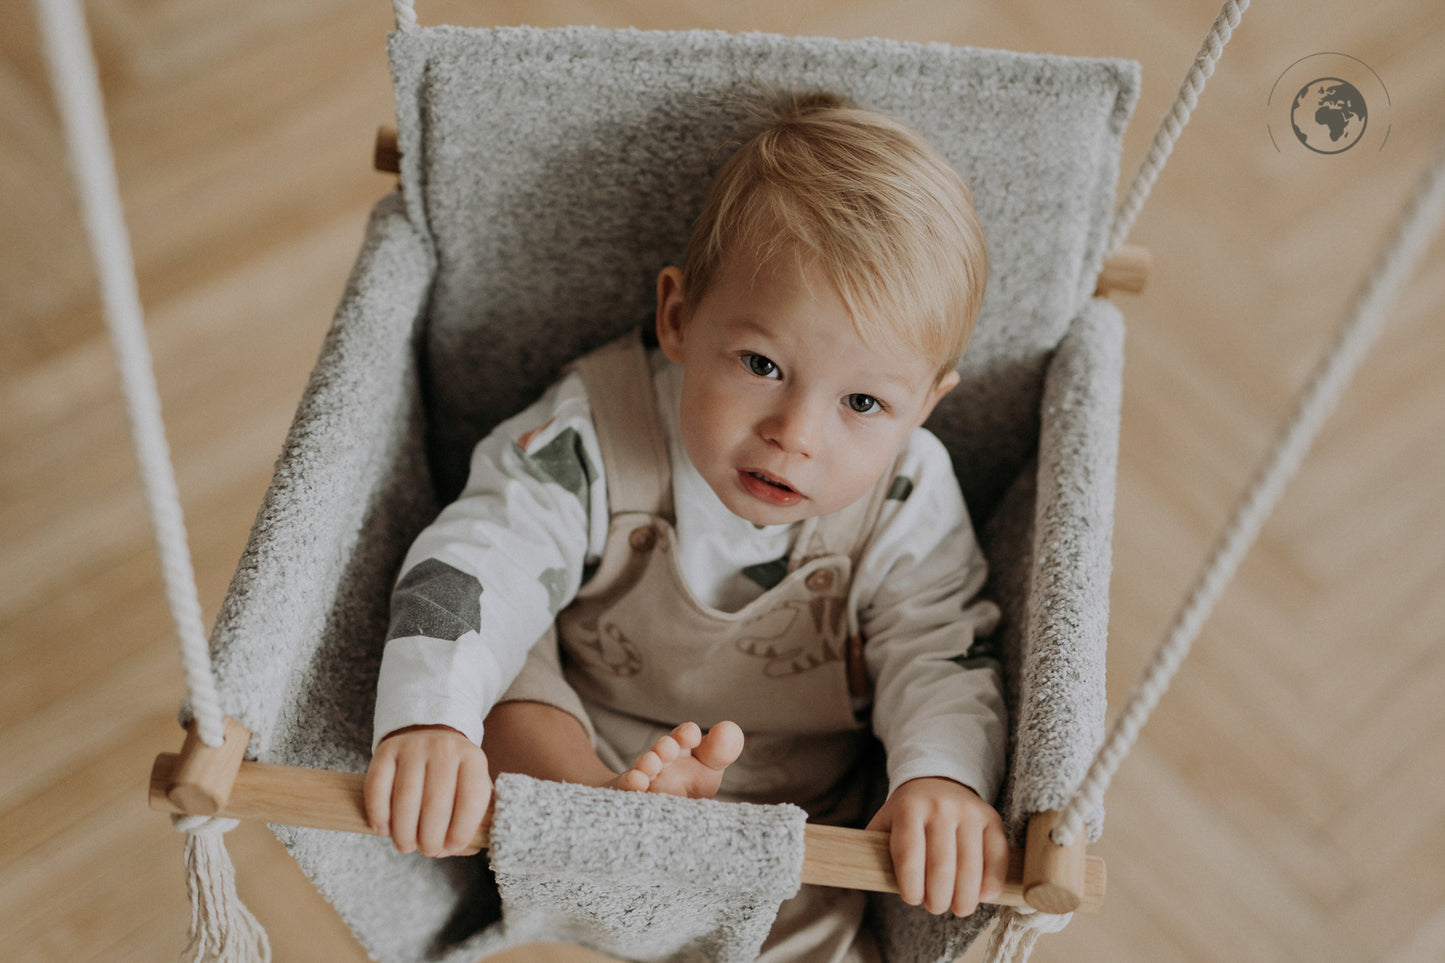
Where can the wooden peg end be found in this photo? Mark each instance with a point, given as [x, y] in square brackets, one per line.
[1053, 874]
[204, 774]
[387, 155]
[1127, 270]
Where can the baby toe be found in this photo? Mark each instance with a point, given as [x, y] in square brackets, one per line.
[687, 735]
[634, 780]
[721, 747]
[649, 764]
[666, 749]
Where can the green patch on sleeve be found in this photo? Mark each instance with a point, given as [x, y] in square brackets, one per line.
[562, 461]
[436, 600]
[554, 580]
[768, 574]
[901, 488]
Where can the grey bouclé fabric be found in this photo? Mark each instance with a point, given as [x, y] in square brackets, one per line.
[669, 879]
[547, 176]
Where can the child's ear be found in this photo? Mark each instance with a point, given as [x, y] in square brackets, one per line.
[670, 313]
[945, 384]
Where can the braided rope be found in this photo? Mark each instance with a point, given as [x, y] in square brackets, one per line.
[77, 92]
[1174, 120]
[405, 13]
[1418, 226]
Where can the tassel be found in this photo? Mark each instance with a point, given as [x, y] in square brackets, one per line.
[1016, 932]
[223, 930]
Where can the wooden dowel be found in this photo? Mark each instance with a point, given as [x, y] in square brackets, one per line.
[851, 858]
[1054, 876]
[287, 795]
[322, 799]
[386, 156]
[1127, 270]
[204, 774]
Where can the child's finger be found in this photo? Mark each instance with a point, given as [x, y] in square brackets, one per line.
[908, 847]
[943, 867]
[474, 792]
[969, 883]
[377, 793]
[406, 799]
[437, 804]
[995, 862]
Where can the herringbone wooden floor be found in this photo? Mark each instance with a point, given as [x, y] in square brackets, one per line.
[1288, 801]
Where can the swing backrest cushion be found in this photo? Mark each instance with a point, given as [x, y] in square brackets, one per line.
[557, 171]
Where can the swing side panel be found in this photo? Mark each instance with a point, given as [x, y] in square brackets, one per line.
[298, 640]
[547, 176]
[310, 593]
[1050, 548]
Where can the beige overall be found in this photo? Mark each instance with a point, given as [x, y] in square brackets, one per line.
[640, 654]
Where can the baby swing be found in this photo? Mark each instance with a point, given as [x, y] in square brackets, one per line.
[545, 175]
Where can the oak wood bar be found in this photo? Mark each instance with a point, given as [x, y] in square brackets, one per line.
[323, 799]
[205, 774]
[1126, 270]
[1053, 875]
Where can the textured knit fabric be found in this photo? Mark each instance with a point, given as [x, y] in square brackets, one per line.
[547, 176]
[629, 889]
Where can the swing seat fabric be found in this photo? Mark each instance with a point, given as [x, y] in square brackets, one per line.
[546, 176]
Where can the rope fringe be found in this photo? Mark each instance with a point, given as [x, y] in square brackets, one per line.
[223, 930]
[1016, 932]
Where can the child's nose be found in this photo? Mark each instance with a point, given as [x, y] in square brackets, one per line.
[792, 428]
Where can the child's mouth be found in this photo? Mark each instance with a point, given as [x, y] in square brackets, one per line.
[770, 481]
[768, 488]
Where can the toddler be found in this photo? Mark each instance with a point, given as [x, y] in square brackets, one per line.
[740, 550]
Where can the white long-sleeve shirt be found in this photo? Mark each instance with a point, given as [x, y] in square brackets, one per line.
[485, 580]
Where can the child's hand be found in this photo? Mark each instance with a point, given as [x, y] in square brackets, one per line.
[428, 789]
[948, 845]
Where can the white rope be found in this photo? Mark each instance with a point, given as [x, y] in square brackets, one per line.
[1418, 226]
[1016, 931]
[1174, 120]
[405, 13]
[223, 930]
[73, 75]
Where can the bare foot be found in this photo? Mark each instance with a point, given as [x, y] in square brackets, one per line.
[685, 762]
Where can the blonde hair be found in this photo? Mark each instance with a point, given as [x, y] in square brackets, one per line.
[867, 199]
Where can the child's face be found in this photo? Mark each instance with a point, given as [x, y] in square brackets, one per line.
[786, 412]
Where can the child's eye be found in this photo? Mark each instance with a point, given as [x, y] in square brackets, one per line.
[760, 366]
[864, 404]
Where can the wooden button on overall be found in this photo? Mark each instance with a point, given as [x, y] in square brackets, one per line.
[820, 581]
